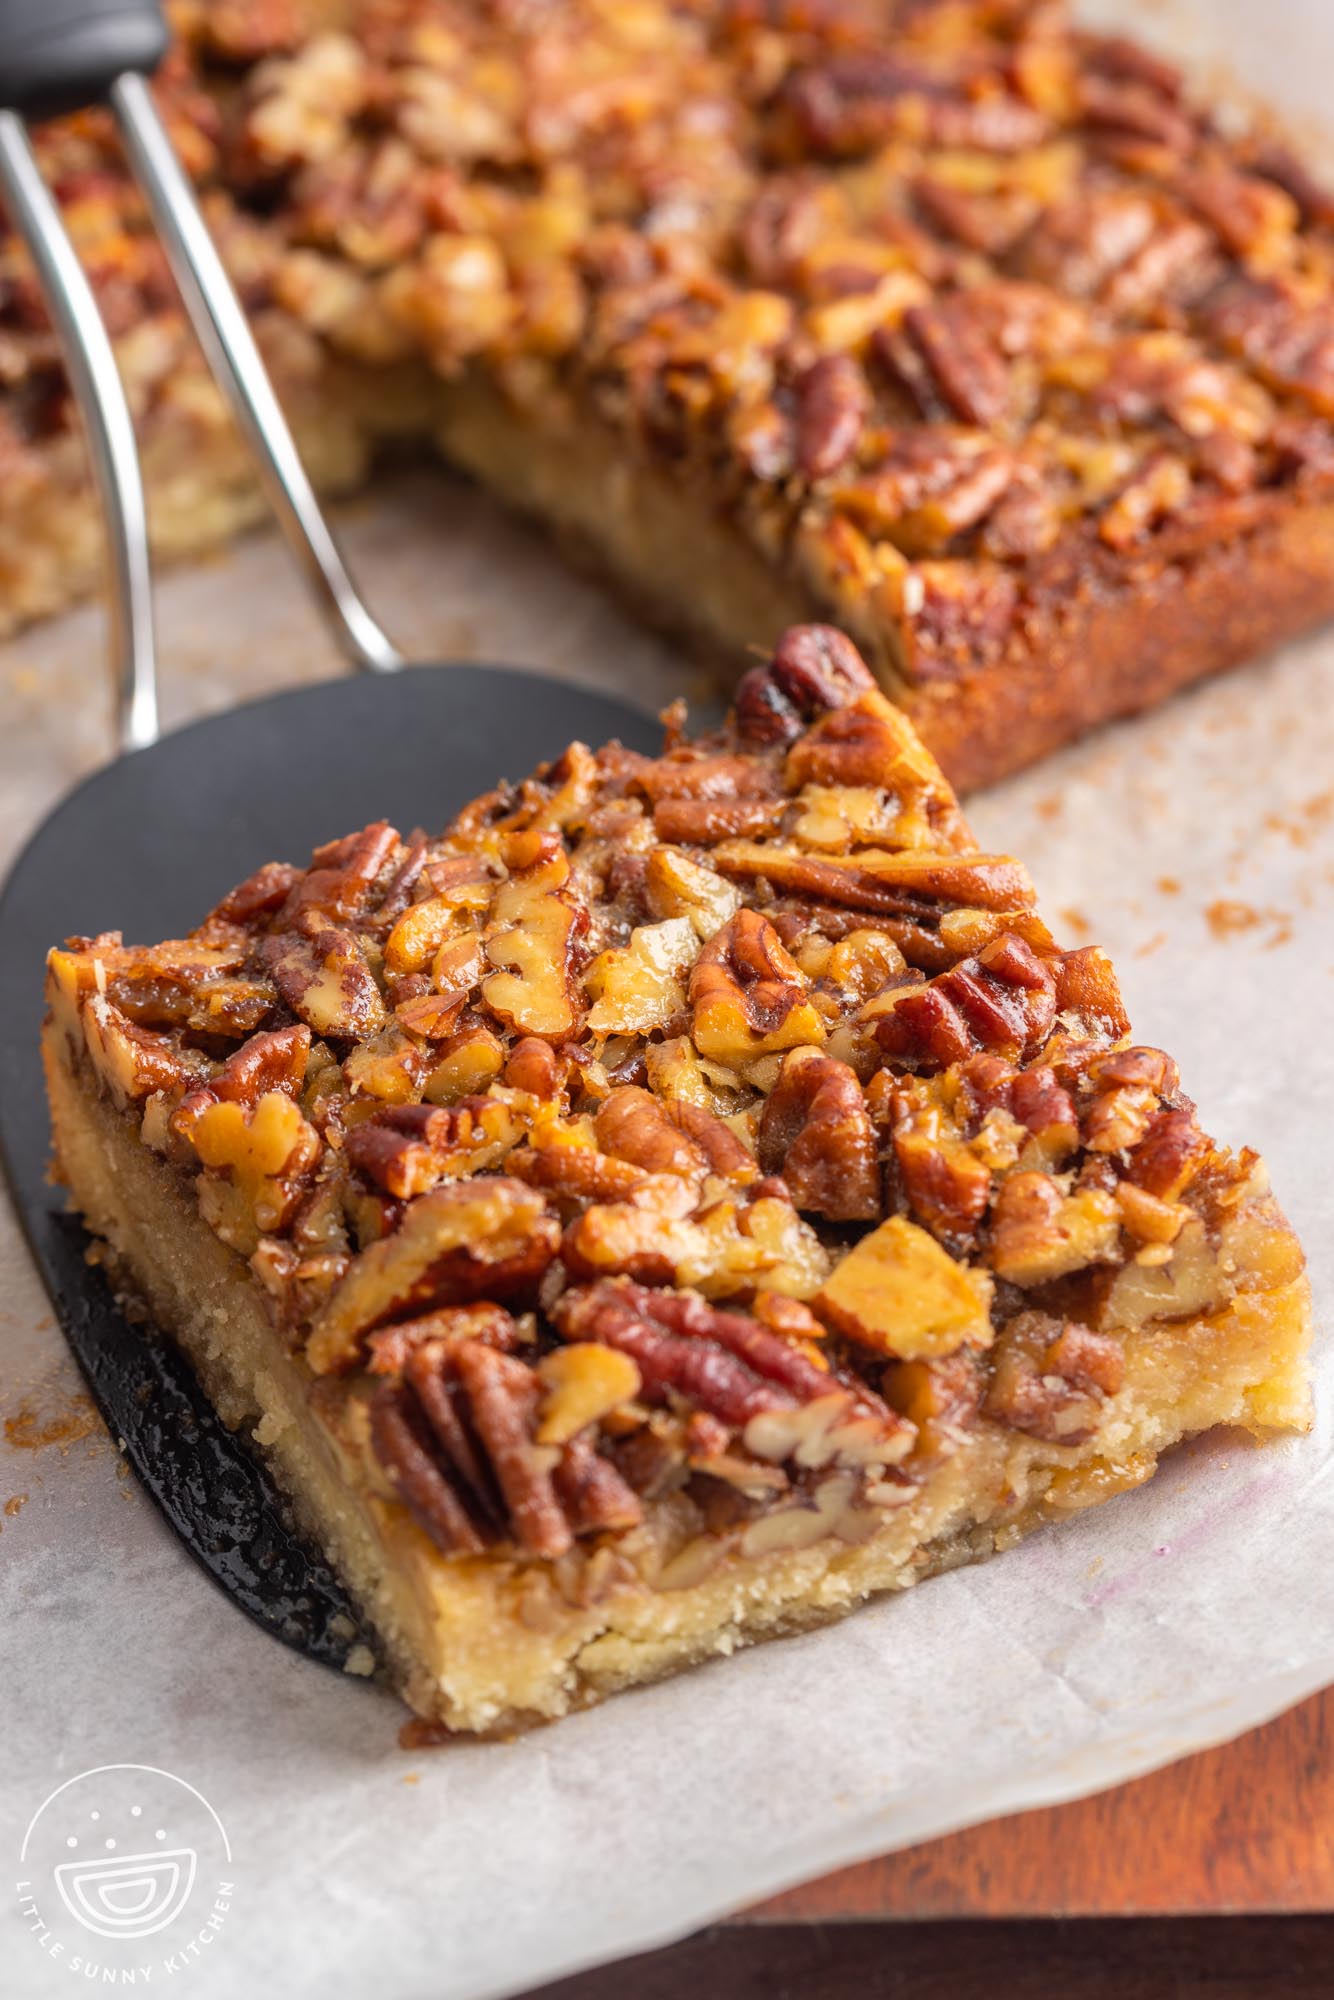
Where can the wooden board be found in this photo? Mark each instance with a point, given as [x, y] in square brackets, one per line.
[1210, 1880]
[1248, 1827]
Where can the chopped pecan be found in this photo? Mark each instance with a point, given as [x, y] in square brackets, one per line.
[582, 1384]
[133, 1062]
[869, 742]
[338, 882]
[593, 1495]
[258, 896]
[259, 1156]
[941, 1398]
[1039, 1233]
[1087, 988]
[530, 934]
[816, 1133]
[677, 885]
[324, 978]
[1050, 1378]
[424, 926]
[489, 1239]
[729, 1249]
[898, 1292]
[410, 1147]
[1171, 1152]
[748, 996]
[535, 1068]
[391, 1066]
[947, 1182]
[1034, 1097]
[575, 1172]
[638, 987]
[928, 487]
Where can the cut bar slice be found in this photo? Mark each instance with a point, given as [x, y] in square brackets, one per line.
[968, 331]
[690, 1195]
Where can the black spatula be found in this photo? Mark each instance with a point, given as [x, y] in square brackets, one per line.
[150, 843]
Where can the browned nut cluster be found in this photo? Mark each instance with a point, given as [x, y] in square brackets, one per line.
[1050, 1377]
[460, 1440]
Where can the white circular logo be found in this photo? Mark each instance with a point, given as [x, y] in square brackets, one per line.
[125, 1871]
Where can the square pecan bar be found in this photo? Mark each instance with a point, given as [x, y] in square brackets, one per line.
[968, 331]
[685, 1198]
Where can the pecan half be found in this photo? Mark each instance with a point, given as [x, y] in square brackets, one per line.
[1004, 1000]
[458, 1440]
[814, 669]
[670, 1137]
[748, 996]
[729, 1367]
[338, 881]
[275, 1060]
[832, 403]
[816, 1132]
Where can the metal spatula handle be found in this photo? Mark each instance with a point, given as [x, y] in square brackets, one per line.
[54, 55]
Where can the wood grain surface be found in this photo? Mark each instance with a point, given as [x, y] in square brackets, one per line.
[1248, 1827]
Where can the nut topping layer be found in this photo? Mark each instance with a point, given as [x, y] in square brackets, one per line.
[946, 301]
[608, 1180]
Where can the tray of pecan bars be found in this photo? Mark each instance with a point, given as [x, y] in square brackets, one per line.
[735, 1307]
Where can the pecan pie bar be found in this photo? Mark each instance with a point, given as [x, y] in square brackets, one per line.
[968, 331]
[687, 1197]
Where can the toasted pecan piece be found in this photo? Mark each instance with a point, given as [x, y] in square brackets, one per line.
[816, 1132]
[490, 1238]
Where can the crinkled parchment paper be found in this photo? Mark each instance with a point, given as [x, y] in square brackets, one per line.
[1198, 844]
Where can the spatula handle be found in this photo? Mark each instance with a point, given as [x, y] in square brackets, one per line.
[59, 55]
[225, 336]
[100, 397]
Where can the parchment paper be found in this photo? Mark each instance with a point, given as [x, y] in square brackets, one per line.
[1198, 844]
